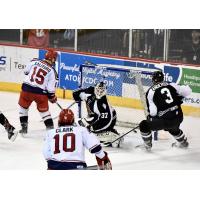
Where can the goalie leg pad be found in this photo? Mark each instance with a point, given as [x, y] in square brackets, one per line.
[109, 136]
[104, 136]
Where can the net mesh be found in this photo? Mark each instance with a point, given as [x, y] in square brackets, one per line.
[126, 89]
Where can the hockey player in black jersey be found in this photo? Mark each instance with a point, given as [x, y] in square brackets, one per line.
[12, 133]
[101, 117]
[164, 106]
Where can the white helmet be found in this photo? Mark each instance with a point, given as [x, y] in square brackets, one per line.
[100, 90]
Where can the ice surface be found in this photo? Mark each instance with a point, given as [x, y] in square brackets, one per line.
[26, 153]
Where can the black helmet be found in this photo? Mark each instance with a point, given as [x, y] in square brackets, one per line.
[157, 77]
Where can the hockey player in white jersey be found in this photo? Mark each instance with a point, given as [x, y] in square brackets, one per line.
[39, 85]
[64, 147]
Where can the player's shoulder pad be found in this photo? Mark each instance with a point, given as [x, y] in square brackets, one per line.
[46, 63]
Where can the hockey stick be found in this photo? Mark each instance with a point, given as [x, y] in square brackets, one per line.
[92, 167]
[61, 109]
[65, 108]
[109, 143]
[59, 106]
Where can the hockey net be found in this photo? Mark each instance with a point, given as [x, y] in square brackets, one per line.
[126, 87]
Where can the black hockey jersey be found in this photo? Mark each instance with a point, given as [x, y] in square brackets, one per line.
[164, 99]
[97, 108]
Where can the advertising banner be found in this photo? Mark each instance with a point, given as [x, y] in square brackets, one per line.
[13, 60]
[113, 78]
[69, 72]
[191, 77]
[69, 64]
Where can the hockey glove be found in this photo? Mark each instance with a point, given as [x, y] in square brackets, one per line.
[104, 163]
[52, 98]
[84, 96]
[149, 117]
[83, 122]
[180, 99]
[75, 95]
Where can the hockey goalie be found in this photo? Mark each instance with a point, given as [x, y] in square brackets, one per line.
[102, 116]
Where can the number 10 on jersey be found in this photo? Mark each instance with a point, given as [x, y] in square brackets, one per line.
[64, 142]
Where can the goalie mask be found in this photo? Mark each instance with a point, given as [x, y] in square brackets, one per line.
[66, 117]
[157, 77]
[100, 90]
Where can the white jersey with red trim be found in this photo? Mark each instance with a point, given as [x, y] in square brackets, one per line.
[39, 74]
[68, 143]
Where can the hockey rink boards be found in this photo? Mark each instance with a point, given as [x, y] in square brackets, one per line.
[26, 153]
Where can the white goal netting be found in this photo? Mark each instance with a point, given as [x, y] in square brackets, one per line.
[126, 87]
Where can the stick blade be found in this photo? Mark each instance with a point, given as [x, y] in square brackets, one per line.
[106, 144]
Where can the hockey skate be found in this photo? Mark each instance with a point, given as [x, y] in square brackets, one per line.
[117, 144]
[146, 146]
[12, 133]
[24, 129]
[181, 145]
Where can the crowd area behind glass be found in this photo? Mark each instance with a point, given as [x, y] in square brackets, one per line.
[172, 45]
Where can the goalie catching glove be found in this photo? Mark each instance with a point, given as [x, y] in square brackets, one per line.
[83, 122]
[89, 121]
[104, 163]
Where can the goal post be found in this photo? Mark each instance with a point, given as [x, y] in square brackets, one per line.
[126, 87]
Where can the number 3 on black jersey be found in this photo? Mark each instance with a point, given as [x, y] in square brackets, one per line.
[168, 96]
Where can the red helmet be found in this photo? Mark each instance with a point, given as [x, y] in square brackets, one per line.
[51, 55]
[66, 117]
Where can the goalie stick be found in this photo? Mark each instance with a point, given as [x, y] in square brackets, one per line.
[109, 143]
